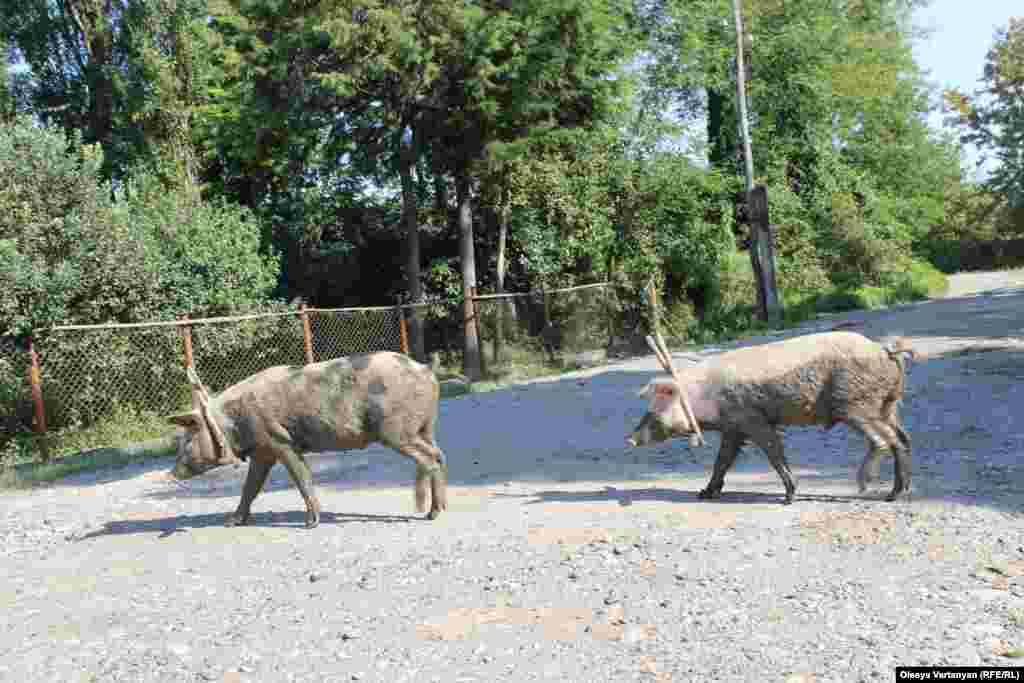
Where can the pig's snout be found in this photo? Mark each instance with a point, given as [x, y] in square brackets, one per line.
[651, 429]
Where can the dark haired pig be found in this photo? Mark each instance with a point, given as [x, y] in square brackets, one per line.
[348, 403]
[750, 393]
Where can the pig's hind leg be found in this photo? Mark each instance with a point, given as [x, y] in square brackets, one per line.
[768, 438]
[431, 473]
[302, 476]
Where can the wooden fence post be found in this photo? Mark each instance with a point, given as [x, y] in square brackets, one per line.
[307, 333]
[403, 332]
[186, 338]
[39, 417]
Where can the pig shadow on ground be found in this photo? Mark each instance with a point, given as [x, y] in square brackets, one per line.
[167, 526]
[627, 497]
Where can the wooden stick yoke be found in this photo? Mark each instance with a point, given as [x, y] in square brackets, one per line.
[661, 352]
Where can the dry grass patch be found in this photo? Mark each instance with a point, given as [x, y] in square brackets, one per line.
[649, 666]
[143, 515]
[569, 536]
[577, 508]
[556, 623]
[847, 528]
[459, 624]
[158, 475]
[942, 552]
[648, 568]
[1003, 648]
[801, 678]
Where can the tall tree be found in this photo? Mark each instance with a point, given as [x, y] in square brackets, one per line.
[530, 69]
[8, 106]
[993, 116]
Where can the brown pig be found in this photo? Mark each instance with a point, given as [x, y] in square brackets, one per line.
[280, 413]
[753, 392]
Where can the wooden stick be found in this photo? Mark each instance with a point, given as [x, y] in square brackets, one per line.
[661, 351]
[204, 408]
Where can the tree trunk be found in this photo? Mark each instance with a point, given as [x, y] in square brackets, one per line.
[716, 142]
[471, 342]
[412, 245]
[503, 304]
[94, 24]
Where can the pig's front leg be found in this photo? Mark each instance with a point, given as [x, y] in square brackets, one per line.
[254, 480]
[730, 448]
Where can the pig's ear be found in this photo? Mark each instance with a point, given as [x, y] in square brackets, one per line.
[189, 420]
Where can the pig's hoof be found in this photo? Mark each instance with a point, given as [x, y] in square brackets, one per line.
[709, 494]
[788, 500]
[433, 514]
[235, 519]
[896, 495]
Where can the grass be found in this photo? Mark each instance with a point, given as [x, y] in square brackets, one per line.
[126, 436]
[519, 363]
[919, 281]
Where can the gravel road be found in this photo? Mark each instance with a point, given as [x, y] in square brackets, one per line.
[564, 556]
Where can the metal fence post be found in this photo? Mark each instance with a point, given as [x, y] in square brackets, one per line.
[307, 333]
[186, 338]
[36, 382]
[403, 332]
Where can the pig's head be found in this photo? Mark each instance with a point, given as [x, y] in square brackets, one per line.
[201, 443]
[665, 418]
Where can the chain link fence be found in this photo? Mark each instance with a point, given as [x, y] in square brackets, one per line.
[15, 392]
[89, 372]
[348, 331]
[535, 333]
[544, 330]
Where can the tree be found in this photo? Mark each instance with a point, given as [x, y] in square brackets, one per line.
[528, 70]
[74, 251]
[993, 117]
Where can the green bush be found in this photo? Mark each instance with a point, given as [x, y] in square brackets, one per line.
[74, 250]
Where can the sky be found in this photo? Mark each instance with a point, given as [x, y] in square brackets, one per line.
[962, 33]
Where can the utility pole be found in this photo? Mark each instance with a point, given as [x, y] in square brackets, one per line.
[741, 98]
[761, 254]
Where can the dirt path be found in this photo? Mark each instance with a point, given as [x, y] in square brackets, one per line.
[564, 556]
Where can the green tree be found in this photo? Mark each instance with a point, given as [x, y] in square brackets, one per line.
[993, 117]
[76, 252]
[129, 75]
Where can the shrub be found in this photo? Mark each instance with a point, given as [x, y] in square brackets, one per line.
[72, 249]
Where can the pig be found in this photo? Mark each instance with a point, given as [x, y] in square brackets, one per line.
[751, 393]
[280, 413]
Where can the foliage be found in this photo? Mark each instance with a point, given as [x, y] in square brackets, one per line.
[77, 251]
[993, 117]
